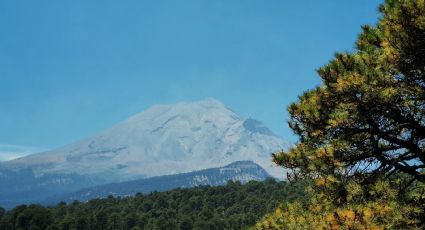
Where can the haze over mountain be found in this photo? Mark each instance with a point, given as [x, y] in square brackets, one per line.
[10, 152]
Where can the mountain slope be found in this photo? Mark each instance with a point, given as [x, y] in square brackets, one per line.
[165, 139]
[242, 171]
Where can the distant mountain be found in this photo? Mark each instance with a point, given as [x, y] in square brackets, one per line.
[163, 140]
[24, 187]
[242, 171]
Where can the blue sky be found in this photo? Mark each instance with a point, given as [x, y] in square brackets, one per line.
[71, 68]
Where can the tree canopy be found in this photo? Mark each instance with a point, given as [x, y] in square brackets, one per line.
[233, 206]
[363, 128]
[368, 116]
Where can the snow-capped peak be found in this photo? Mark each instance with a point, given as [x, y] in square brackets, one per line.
[164, 139]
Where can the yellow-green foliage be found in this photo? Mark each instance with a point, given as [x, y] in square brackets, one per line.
[370, 109]
[362, 132]
[382, 210]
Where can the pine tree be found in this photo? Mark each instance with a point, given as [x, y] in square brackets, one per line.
[368, 117]
[362, 130]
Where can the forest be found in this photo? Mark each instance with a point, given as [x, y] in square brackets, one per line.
[233, 206]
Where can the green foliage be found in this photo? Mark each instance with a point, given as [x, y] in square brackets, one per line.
[368, 116]
[233, 206]
[362, 130]
[376, 206]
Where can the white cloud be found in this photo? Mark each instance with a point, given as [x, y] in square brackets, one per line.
[10, 152]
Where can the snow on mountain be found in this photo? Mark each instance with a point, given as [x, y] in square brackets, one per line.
[163, 140]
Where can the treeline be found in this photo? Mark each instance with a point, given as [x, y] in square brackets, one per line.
[233, 206]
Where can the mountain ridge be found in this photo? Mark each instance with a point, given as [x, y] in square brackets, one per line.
[241, 171]
[164, 139]
[205, 132]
